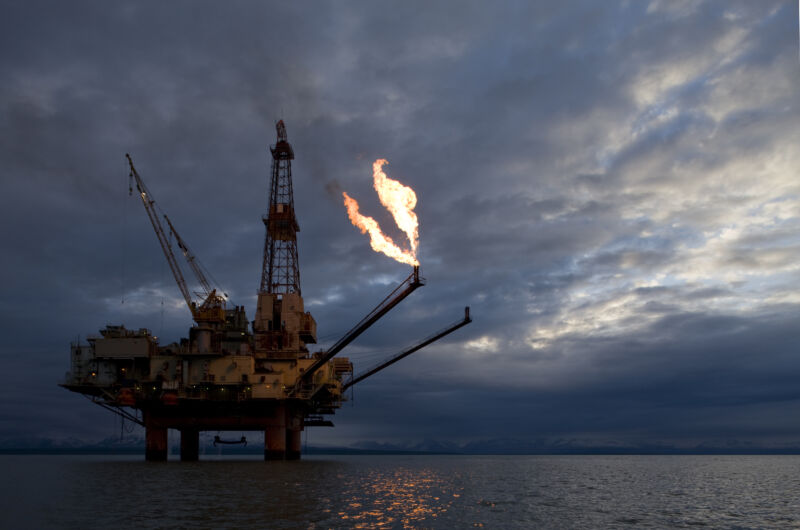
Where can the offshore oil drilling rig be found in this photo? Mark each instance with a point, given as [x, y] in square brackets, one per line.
[231, 374]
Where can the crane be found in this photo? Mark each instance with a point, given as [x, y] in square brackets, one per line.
[209, 310]
[405, 353]
[213, 307]
[408, 286]
[190, 258]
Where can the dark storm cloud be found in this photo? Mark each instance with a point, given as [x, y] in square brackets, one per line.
[698, 384]
[611, 186]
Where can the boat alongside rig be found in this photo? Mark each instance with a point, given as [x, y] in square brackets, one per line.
[231, 373]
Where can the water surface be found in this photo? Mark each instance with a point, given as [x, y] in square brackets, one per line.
[402, 492]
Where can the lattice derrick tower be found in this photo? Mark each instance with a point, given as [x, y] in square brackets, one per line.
[281, 270]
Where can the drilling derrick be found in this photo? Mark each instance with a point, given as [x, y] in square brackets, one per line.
[282, 328]
[281, 273]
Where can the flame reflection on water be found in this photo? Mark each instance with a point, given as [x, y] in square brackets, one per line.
[396, 498]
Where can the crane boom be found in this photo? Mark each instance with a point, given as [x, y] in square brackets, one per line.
[191, 259]
[405, 353]
[149, 206]
[395, 297]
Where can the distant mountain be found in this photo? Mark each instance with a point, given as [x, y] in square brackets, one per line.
[511, 446]
[132, 444]
[129, 444]
[426, 446]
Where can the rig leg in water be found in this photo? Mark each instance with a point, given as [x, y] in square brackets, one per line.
[190, 445]
[275, 443]
[293, 444]
[155, 443]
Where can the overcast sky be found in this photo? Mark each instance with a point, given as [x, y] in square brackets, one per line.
[611, 186]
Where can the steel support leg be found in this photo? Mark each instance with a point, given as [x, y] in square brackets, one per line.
[293, 444]
[190, 445]
[275, 443]
[155, 443]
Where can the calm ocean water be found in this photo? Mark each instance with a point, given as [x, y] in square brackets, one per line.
[402, 492]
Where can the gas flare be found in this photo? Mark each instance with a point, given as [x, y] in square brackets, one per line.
[400, 200]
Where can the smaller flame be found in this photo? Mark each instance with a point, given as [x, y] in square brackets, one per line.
[377, 240]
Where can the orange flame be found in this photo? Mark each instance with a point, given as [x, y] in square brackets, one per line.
[400, 200]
